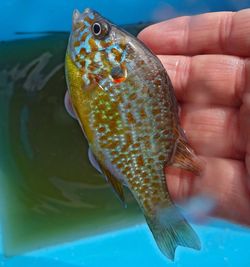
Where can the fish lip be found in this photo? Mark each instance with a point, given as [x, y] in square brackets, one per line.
[78, 16]
[88, 10]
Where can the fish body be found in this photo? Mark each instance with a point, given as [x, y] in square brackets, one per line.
[125, 104]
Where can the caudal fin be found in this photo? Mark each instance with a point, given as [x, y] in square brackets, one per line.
[172, 233]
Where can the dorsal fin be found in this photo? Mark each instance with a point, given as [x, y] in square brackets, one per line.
[184, 157]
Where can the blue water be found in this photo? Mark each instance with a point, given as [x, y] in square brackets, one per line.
[37, 15]
[223, 244]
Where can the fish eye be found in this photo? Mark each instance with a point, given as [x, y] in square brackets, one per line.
[100, 29]
[97, 29]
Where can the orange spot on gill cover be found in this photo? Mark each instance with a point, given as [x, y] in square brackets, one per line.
[119, 80]
[119, 73]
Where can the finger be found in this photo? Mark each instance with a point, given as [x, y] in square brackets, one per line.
[245, 127]
[245, 124]
[224, 180]
[211, 79]
[220, 32]
[212, 130]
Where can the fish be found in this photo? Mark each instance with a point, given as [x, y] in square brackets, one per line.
[124, 102]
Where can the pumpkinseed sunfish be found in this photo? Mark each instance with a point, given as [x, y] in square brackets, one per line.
[125, 104]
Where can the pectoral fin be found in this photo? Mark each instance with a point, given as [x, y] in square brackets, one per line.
[94, 161]
[116, 184]
[68, 105]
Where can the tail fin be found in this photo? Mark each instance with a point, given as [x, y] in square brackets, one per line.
[172, 233]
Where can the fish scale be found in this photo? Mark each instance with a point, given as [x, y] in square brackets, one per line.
[134, 169]
[133, 154]
[124, 102]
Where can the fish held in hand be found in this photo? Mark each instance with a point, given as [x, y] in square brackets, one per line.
[125, 104]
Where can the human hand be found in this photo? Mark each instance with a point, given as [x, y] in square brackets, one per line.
[207, 59]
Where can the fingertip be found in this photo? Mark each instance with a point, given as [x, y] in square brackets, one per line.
[179, 183]
[159, 37]
[166, 37]
[147, 33]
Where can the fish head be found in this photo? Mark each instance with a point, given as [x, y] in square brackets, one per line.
[98, 48]
[89, 26]
[95, 66]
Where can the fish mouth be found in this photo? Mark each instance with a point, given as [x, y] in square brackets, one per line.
[88, 10]
[78, 16]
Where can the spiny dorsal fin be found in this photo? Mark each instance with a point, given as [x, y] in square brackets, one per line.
[184, 157]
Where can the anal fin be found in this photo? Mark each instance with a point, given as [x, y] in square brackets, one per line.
[115, 183]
